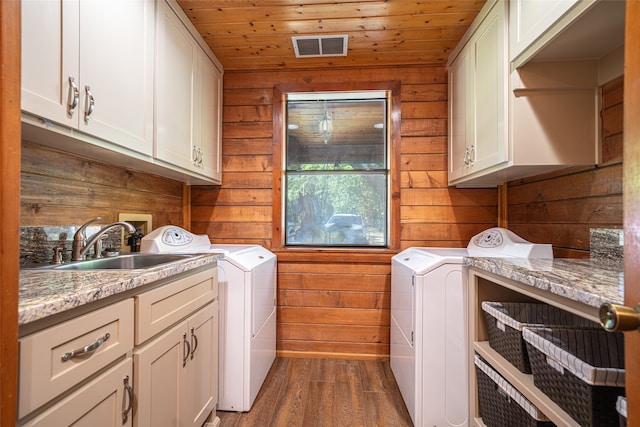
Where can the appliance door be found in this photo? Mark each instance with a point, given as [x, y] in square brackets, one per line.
[442, 348]
[403, 352]
[263, 325]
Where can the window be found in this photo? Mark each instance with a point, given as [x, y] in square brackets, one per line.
[336, 169]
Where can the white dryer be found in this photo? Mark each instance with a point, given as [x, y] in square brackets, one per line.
[247, 316]
[429, 323]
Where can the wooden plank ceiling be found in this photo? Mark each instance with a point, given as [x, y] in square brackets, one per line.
[256, 34]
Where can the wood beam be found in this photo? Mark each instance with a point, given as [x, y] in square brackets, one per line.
[9, 206]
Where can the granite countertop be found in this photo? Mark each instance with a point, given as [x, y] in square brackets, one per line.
[589, 281]
[43, 293]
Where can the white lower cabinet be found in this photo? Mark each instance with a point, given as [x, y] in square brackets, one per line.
[60, 357]
[148, 360]
[202, 372]
[107, 401]
[176, 360]
[176, 373]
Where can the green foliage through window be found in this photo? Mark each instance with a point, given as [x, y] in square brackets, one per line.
[336, 172]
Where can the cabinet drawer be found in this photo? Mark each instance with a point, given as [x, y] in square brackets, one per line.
[160, 308]
[46, 366]
[104, 401]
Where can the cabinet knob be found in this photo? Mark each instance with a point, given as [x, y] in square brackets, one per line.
[615, 317]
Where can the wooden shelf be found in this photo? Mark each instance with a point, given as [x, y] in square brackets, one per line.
[524, 384]
[487, 287]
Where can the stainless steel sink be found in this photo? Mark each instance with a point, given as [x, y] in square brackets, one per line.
[121, 262]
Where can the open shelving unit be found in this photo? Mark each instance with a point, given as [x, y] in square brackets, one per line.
[485, 286]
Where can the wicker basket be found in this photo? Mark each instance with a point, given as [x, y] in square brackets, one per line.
[501, 405]
[621, 407]
[505, 321]
[582, 370]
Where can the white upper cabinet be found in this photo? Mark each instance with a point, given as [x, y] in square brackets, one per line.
[115, 81]
[510, 119]
[477, 99]
[89, 66]
[188, 100]
[529, 19]
[51, 59]
[209, 120]
[176, 57]
[116, 67]
[461, 122]
[563, 30]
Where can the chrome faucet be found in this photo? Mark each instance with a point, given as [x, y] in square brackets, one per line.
[81, 245]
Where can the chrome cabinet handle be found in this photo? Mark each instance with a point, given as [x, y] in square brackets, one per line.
[472, 155]
[194, 342]
[129, 390]
[87, 348]
[186, 349]
[73, 97]
[197, 156]
[89, 104]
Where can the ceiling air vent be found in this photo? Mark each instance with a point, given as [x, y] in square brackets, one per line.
[310, 46]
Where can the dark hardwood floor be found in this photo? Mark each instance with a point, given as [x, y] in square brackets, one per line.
[325, 392]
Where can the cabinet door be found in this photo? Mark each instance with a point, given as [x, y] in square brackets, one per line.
[50, 58]
[490, 87]
[461, 117]
[209, 117]
[159, 378]
[529, 19]
[175, 79]
[105, 401]
[202, 391]
[478, 100]
[117, 69]
[176, 373]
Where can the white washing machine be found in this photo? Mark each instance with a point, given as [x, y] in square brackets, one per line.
[429, 323]
[247, 316]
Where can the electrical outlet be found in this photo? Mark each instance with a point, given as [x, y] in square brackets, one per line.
[141, 221]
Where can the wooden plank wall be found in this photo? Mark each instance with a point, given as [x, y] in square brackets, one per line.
[60, 189]
[561, 207]
[337, 304]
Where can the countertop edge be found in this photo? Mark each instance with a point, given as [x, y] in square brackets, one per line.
[44, 293]
[589, 281]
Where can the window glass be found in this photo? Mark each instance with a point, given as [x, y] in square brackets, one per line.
[336, 170]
